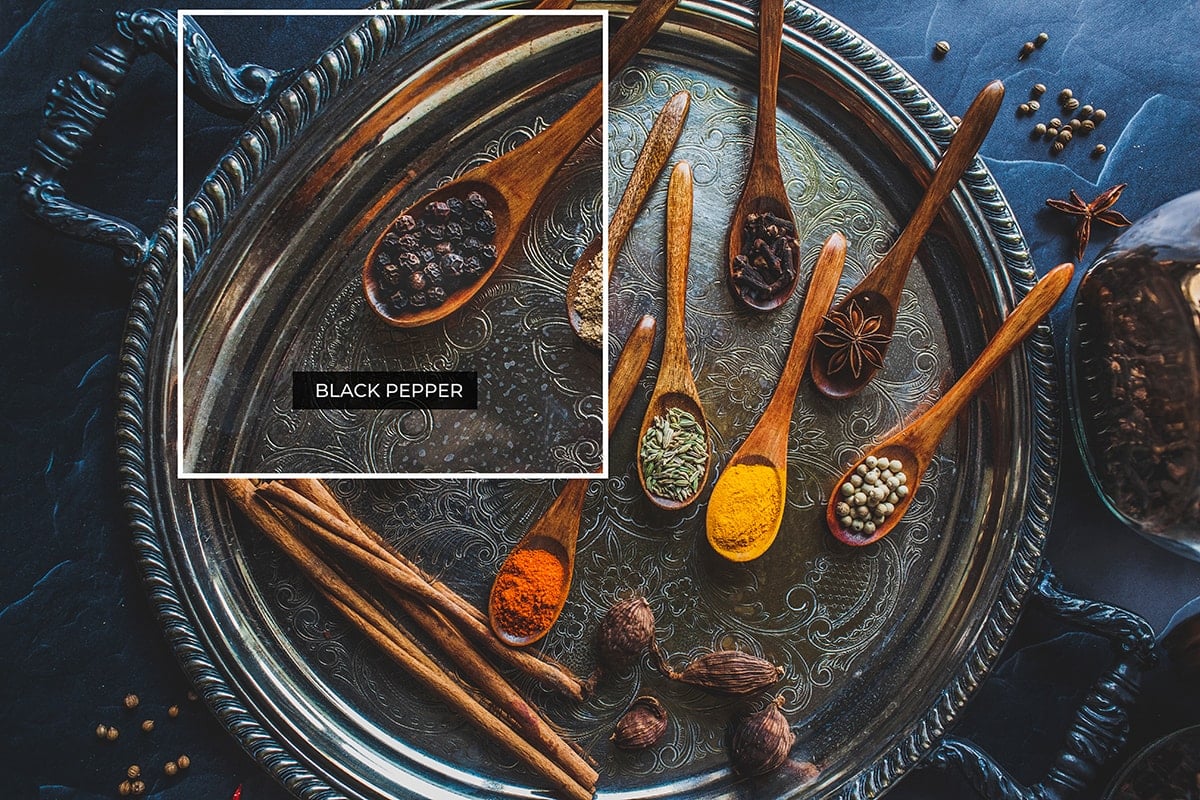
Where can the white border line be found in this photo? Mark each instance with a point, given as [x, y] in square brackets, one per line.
[182, 208]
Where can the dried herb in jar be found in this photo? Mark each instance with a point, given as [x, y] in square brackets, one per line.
[526, 591]
[421, 260]
[770, 256]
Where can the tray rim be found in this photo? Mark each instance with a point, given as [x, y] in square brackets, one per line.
[273, 128]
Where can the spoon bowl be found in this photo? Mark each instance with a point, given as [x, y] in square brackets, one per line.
[660, 404]
[557, 530]
[915, 444]
[840, 369]
[767, 443]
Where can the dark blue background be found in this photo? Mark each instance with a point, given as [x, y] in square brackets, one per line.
[76, 633]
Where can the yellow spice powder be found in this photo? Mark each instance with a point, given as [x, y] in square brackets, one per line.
[743, 512]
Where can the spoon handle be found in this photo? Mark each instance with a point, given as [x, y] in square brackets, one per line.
[630, 366]
[817, 299]
[655, 152]
[1028, 313]
[634, 32]
[679, 244]
[770, 45]
[893, 267]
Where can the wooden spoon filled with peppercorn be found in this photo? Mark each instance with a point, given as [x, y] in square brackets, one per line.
[856, 334]
[518, 613]
[764, 255]
[440, 252]
[872, 496]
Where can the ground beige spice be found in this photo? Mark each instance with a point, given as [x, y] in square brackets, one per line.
[589, 301]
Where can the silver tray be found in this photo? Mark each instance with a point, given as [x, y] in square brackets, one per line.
[882, 645]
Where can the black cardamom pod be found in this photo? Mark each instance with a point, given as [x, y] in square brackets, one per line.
[641, 725]
[729, 672]
[761, 742]
[626, 630]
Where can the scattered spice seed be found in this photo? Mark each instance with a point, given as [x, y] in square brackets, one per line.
[170, 769]
[134, 771]
[1071, 104]
[1039, 130]
[102, 731]
[173, 712]
[1051, 132]
[1075, 125]
[184, 762]
[1024, 109]
[1099, 115]
[131, 701]
[1057, 147]
[1026, 49]
[1041, 39]
[147, 725]
[1099, 209]
[941, 49]
[1065, 135]
[1085, 111]
[1034, 105]
[137, 788]
[1087, 126]
[124, 788]
[1065, 95]
[112, 734]
[1037, 91]
[1055, 123]
[1099, 150]
[957, 120]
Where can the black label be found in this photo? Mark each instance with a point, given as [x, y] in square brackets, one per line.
[350, 390]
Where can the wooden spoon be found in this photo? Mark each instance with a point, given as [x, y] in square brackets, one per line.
[767, 444]
[676, 388]
[764, 191]
[512, 183]
[914, 445]
[557, 530]
[876, 298]
[655, 151]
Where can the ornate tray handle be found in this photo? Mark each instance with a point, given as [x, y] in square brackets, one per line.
[79, 102]
[1101, 724]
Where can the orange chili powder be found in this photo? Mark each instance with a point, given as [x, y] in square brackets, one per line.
[527, 590]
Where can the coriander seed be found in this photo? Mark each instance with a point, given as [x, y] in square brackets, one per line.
[1034, 105]
[173, 712]
[1065, 135]
[1024, 109]
[1099, 150]
[941, 49]
[147, 725]
[1041, 39]
[111, 734]
[1098, 115]
[1057, 147]
[184, 762]
[101, 731]
[134, 771]
[1065, 95]
[1085, 111]
[124, 788]
[137, 788]
[1075, 125]
[1026, 49]
[957, 120]
[1037, 91]
[1039, 130]
[131, 701]
[1051, 133]
[1071, 104]
[170, 769]
[1087, 126]
[1056, 123]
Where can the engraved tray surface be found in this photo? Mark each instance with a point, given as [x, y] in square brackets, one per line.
[881, 645]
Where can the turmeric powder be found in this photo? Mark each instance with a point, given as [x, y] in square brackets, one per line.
[528, 588]
[744, 511]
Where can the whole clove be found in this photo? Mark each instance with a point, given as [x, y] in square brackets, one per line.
[766, 266]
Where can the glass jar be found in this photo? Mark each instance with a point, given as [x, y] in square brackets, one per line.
[1134, 358]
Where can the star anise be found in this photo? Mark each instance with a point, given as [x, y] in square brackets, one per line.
[1099, 209]
[854, 339]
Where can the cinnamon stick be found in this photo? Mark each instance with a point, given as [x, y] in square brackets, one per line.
[348, 539]
[527, 719]
[393, 640]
